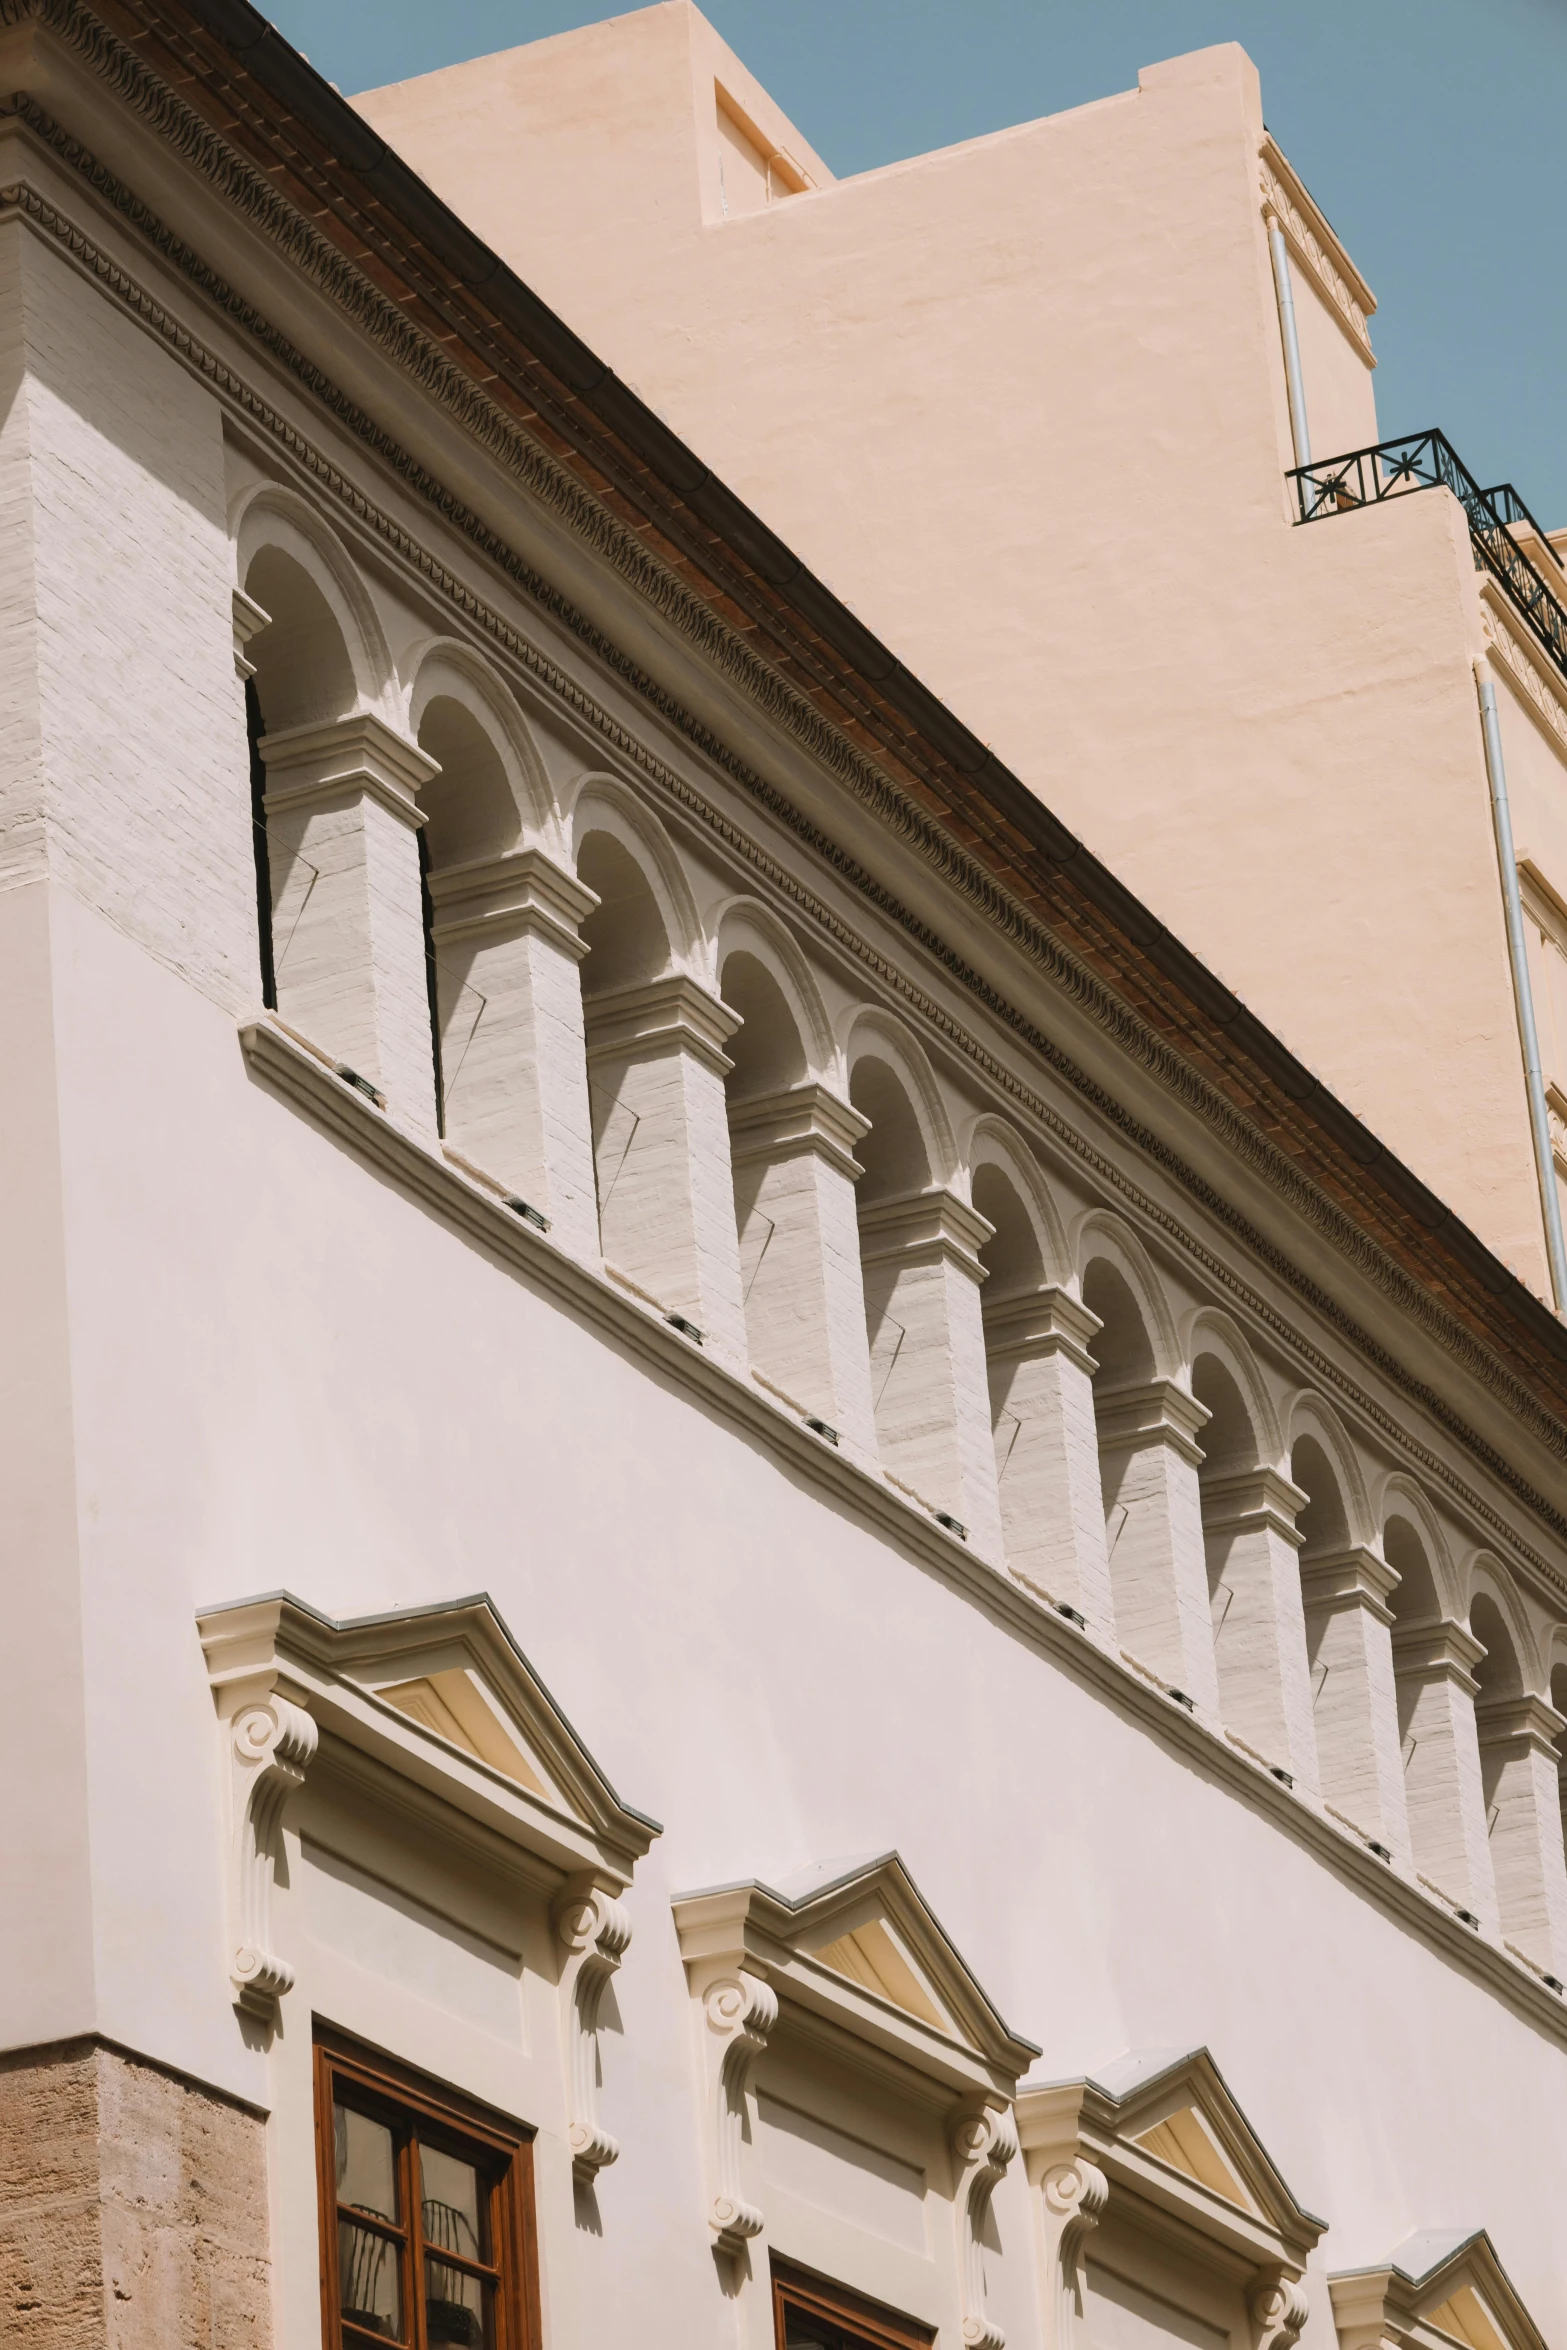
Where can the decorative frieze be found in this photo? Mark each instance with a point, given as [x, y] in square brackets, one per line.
[1349, 299]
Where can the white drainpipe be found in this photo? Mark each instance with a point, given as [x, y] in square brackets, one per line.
[1292, 375]
[1523, 992]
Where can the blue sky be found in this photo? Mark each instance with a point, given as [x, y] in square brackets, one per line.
[1428, 130]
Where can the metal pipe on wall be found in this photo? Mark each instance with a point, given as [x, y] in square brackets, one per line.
[1523, 990]
[1295, 382]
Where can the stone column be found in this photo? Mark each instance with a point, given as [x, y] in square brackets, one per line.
[794, 1176]
[1259, 1629]
[1519, 1773]
[513, 1060]
[1148, 1462]
[1355, 1703]
[1047, 1449]
[920, 1259]
[1442, 1784]
[656, 1070]
[347, 916]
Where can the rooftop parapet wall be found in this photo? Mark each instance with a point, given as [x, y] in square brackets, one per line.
[906, 372]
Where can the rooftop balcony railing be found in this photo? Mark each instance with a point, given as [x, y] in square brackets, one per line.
[1428, 461]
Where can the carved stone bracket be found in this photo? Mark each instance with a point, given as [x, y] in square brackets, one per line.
[1072, 2197]
[984, 2142]
[1278, 2308]
[737, 2013]
[271, 1745]
[594, 1933]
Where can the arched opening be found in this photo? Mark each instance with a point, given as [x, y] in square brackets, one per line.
[892, 1153]
[1322, 1522]
[1520, 1784]
[921, 1271]
[1433, 1661]
[470, 807]
[470, 814]
[302, 676]
[1249, 1545]
[656, 1061]
[1014, 1265]
[767, 1052]
[1349, 1657]
[1146, 1438]
[625, 936]
[778, 1190]
[1559, 1703]
[1041, 1409]
[627, 945]
[1122, 1345]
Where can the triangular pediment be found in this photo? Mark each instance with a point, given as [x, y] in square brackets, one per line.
[874, 1955]
[1441, 2286]
[1185, 2141]
[858, 1941]
[444, 1697]
[453, 1699]
[1178, 2113]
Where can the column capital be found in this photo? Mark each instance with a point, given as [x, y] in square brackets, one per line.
[1352, 1578]
[359, 756]
[1524, 1721]
[1043, 1322]
[1158, 1412]
[924, 1227]
[501, 897]
[672, 1014]
[805, 1120]
[1252, 1501]
[1439, 1650]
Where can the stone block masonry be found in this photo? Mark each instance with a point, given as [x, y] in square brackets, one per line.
[133, 2208]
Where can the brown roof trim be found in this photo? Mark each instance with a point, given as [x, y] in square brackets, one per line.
[594, 423]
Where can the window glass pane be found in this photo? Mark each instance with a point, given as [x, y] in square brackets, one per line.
[369, 2289]
[366, 2165]
[456, 2306]
[453, 2220]
[808, 2333]
[452, 2213]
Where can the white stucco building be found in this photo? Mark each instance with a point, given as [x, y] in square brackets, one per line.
[760, 1591]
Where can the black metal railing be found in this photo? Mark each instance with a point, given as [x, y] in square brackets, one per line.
[1428, 461]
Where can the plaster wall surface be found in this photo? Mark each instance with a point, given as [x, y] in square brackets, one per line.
[1021, 403]
[243, 1358]
[288, 1374]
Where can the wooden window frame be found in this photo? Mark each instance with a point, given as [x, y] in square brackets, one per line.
[869, 2323]
[413, 2106]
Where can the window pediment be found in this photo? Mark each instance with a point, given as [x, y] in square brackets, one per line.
[852, 1957]
[435, 1711]
[1165, 2129]
[1158, 2142]
[856, 1946]
[1439, 2288]
[445, 1701]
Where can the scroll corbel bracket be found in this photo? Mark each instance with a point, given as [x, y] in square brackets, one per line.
[1073, 2195]
[737, 2014]
[984, 2143]
[271, 1745]
[594, 1933]
[1278, 2308]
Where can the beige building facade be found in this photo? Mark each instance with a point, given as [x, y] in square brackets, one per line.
[1024, 405]
[761, 1591]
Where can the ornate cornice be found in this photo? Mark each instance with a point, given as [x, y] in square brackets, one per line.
[1056, 959]
[894, 808]
[1514, 657]
[1345, 291]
